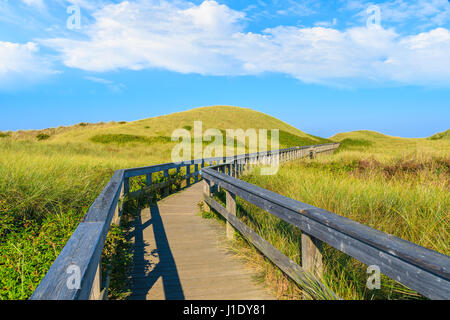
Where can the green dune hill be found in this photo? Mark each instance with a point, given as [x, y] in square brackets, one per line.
[50, 177]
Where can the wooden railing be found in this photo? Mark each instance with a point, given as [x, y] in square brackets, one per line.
[423, 270]
[80, 259]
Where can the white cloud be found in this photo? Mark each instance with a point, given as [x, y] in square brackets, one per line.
[178, 37]
[21, 63]
[209, 39]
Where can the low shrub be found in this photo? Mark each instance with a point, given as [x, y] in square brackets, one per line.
[128, 138]
[42, 136]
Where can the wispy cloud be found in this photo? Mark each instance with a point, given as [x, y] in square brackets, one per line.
[210, 39]
[21, 63]
[113, 86]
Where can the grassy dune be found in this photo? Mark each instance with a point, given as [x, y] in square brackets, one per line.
[445, 135]
[49, 178]
[396, 185]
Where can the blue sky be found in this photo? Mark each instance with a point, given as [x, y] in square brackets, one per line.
[322, 66]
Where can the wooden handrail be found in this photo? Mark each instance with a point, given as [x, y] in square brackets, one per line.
[421, 269]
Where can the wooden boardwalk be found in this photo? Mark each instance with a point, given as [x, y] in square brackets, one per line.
[179, 255]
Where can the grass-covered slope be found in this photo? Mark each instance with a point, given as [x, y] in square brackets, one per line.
[381, 145]
[372, 139]
[441, 135]
[147, 141]
[49, 178]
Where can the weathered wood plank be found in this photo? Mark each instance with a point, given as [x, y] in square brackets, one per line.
[206, 193]
[312, 255]
[231, 207]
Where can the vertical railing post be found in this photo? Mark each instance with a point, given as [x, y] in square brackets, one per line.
[148, 179]
[196, 170]
[126, 185]
[206, 193]
[97, 285]
[202, 165]
[220, 169]
[214, 186]
[231, 208]
[233, 169]
[312, 255]
[167, 189]
[116, 218]
[178, 181]
[188, 175]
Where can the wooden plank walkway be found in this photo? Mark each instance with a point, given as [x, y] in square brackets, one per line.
[179, 255]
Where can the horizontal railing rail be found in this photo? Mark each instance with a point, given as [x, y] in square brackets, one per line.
[421, 269]
[76, 272]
